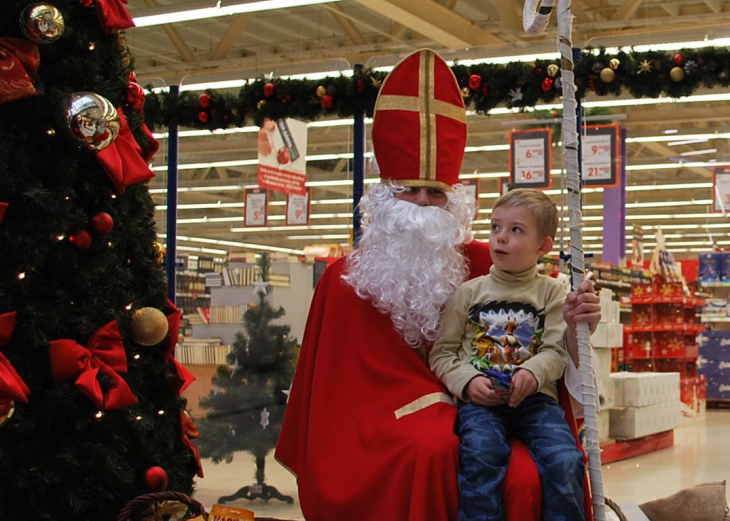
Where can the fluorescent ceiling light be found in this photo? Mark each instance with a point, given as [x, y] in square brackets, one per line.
[686, 142]
[699, 152]
[218, 8]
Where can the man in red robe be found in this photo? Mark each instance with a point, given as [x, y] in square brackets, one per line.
[369, 430]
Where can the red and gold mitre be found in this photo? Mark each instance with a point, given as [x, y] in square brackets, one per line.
[419, 127]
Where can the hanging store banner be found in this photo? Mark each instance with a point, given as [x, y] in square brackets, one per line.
[721, 189]
[471, 187]
[530, 158]
[297, 209]
[256, 210]
[600, 158]
[282, 151]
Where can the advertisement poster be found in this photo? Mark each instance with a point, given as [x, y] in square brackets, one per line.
[721, 189]
[282, 152]
[530, 158]
[297, 209]
[600, 156]
[471, 187]
[256, 209]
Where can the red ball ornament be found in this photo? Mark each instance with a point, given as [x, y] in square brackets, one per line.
[547, 84]
[475, 81]
[132, 76]
[81, 239]
[678, 60]
[135, 95]
[204, 100]
[326, 101]
[203, 116]
[155, 479]
[269, 89]
[102, 223]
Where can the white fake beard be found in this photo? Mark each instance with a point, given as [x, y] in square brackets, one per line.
[408, 264]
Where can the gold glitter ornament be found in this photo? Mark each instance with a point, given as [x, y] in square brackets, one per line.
[552, 70]
[149, 326]
[677, 74]
[608, 75]
[614, 63]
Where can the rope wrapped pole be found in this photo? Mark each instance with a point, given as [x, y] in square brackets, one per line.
[536, 16]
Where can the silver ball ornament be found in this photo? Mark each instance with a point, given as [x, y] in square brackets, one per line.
[91, 119]
[42, 23]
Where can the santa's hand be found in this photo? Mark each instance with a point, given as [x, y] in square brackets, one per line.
[524, 384]
[480, 392]
[583, 306]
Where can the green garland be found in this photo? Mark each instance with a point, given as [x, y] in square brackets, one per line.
[484, 87]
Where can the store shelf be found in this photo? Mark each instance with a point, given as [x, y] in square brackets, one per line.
[713, 318]
[624, 449]
[723, 284]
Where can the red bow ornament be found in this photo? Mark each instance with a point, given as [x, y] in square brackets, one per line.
[185, 376]
[3, 209]
[12, 385]
[122, 159]
[105, 355]
[190, 430]
[112, 14]
[19, 62]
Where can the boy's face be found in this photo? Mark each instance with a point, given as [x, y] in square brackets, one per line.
[514, 242]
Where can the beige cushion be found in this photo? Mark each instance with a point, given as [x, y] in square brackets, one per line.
[703, 502]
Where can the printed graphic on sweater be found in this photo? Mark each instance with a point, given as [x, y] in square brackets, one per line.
[505, 334]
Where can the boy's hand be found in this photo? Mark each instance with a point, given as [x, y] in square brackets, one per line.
[524, 384]
[583, 306]
[480, 392]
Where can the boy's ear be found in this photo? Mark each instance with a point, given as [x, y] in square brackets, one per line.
[546, 246]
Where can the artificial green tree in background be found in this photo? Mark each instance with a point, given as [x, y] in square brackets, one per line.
[89, 392]
[246, 408]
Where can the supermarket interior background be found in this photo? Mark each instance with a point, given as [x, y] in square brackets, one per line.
[664, 425]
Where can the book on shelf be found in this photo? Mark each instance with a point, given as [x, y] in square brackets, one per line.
[204, 314]
[213, 279]
[202, 351]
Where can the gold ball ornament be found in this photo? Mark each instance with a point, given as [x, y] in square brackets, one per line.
[42, 23]
[552, 70]
[149, 326]
[261, 104]
[677, 74]
[321, 91]
[465, 92]
[614, 63]
[608, 75]
[91, 119]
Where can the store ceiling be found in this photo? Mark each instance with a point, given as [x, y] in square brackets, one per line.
[335, 36]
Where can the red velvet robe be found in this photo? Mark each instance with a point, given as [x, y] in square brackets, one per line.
[368, 429]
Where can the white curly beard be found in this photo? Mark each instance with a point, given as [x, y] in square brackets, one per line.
[407, 262]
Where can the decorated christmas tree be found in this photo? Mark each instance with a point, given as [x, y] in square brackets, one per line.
[91, 412]
[247, 405]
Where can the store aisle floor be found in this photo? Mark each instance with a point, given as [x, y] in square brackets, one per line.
[701, 453]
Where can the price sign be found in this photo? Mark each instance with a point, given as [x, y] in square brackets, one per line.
[297, 209]
[530, 158]
[600, 156]
[721, 189]
[256, 210]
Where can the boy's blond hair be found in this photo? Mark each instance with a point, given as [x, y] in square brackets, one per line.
[538, 204]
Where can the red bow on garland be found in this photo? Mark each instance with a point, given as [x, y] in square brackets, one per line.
[190, 430]
[112, 14]
[104, 354]
[12, 385]
[185, 376]
[3, 209]
[122, 159]
[19, 62]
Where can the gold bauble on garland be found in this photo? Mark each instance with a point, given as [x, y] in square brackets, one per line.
[465, 92]
[552, 70]
[607, 75]
[149, 326]
[321, 91]
[677, 74]
[614, 63]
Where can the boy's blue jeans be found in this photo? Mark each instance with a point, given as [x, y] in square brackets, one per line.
[484, 450]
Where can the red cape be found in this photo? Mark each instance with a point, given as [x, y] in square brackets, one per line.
[353, 457]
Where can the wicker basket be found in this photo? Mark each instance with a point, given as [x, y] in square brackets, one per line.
[135, 504]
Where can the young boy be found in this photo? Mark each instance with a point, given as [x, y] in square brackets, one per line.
[500, 352]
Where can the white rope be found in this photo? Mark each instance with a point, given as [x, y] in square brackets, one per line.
[536, 16]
